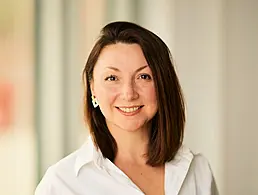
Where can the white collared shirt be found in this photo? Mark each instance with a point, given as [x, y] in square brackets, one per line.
[87, 172]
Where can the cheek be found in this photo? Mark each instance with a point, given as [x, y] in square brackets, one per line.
[149, 94]
[106, 96]
[152, 100]
[152, 95]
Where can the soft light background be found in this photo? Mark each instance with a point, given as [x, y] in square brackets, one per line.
[43, 48]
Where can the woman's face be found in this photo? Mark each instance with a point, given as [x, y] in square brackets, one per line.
[124, 88]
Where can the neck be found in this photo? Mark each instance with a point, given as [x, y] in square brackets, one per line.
[132, 146]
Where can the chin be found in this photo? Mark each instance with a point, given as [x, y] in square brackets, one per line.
[132, 127]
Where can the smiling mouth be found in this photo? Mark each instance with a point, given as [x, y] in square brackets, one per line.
[129, 109]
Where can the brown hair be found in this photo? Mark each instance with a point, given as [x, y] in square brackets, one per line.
[166, 133]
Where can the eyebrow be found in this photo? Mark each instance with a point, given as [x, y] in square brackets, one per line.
[116, 69]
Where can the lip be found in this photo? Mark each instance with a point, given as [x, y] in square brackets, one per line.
[129, 113]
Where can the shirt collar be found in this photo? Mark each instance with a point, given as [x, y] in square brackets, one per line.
[179, 165]
[177, 169]
[86, 154]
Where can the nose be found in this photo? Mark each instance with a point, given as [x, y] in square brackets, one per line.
[129, 91]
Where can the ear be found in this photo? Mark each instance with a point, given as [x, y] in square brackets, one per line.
[92, 88]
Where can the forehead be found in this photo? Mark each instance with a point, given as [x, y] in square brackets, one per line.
[122, 56]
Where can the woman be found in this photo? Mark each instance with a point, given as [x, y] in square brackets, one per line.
[135, 112]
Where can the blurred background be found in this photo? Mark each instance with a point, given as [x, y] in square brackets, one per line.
[44, 45]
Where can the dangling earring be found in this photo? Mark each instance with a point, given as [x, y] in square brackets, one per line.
[94, 101]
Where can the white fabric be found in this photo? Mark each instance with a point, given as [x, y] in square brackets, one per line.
[87, 172]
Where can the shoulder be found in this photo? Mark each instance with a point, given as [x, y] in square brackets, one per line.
[200, 173]
[56, 175]
[197, 163]
[192, 173]
[200, 163]
[201, 168]
[66, 165]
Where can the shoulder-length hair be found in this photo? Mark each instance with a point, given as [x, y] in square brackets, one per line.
[166, 133]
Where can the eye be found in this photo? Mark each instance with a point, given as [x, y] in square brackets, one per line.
[145, 77]
[111, 78]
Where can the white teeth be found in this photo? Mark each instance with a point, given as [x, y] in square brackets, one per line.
[129, 109]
